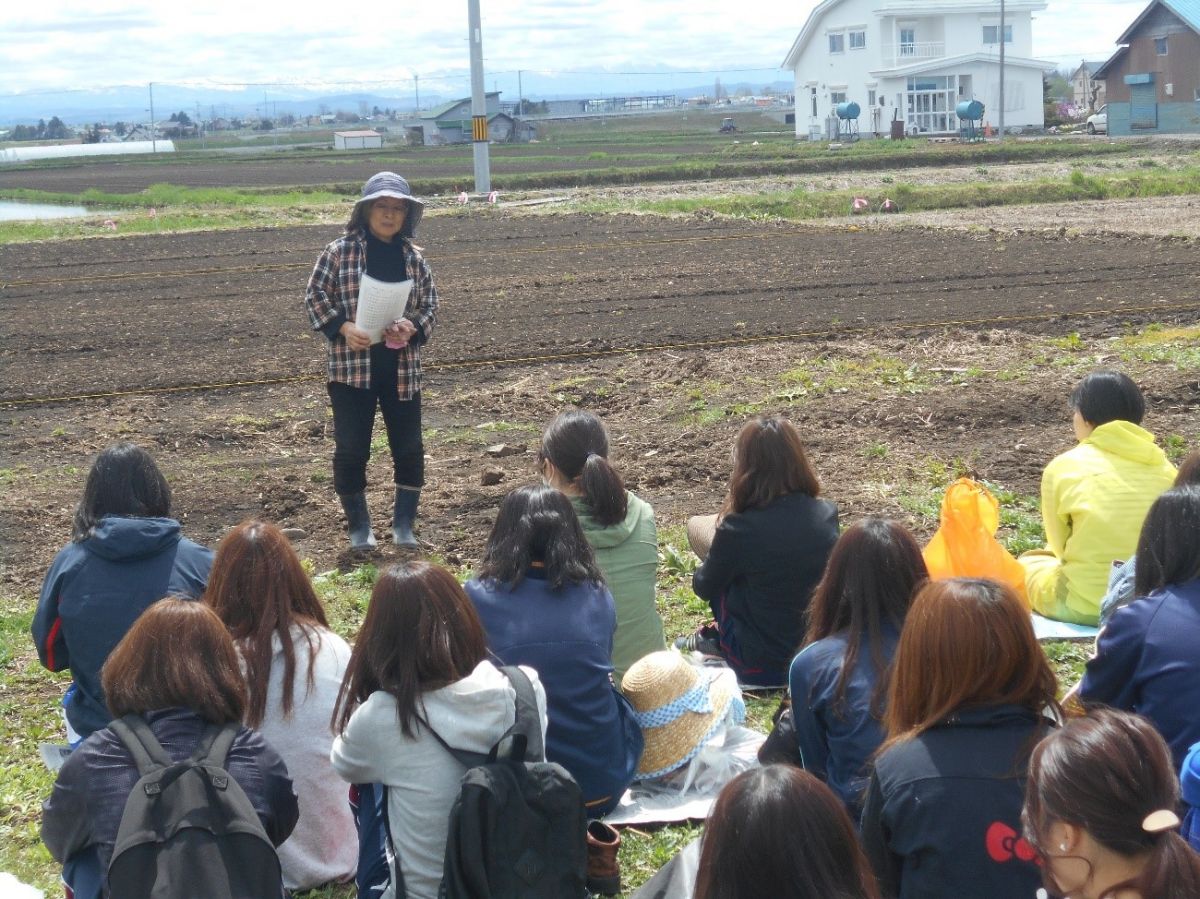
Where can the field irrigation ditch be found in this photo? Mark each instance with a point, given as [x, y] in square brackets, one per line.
[906, 355]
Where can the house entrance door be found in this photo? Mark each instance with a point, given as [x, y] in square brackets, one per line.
[930, 100]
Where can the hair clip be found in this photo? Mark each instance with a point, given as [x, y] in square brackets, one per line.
[1158, 821]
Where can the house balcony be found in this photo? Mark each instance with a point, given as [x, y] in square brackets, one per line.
[907, 53]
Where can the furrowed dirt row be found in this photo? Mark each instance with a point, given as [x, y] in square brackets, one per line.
[218, 307]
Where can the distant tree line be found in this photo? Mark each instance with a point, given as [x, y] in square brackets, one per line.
[54, 130]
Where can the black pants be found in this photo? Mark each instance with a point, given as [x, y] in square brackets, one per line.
[353, 420]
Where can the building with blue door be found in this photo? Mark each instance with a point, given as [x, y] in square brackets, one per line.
[1153, 81]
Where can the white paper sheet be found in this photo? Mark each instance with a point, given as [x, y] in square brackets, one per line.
[380, 303]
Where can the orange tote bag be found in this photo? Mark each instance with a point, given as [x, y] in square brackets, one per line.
[965, 544]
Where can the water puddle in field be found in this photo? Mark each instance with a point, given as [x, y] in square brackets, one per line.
[16, 210]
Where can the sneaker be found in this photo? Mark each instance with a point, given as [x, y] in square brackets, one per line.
[703, 641]
[603, 869]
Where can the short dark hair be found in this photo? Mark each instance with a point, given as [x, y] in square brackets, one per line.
[779, 831]
[420, 633]
[870, 579]
[177, 654]
[259, 589]
[768, 462]
[536, 523]
[966, 642]
[1106, 395]
[1105, 773]
[577, 444]
[124, 481]
[1168, 549]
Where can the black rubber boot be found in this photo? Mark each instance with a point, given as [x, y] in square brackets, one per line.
[358, 520]
[403, 516]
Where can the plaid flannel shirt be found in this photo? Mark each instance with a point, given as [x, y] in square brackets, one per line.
[333, 293]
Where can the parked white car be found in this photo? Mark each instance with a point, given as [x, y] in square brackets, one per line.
[1097, 123]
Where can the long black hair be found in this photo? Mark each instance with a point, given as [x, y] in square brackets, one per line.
[872, 575]
[124, 481]
[536, 523]
[778, 831]
[1168, 549]
[577, 444]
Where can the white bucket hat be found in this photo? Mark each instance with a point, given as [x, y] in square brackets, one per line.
[389, 184]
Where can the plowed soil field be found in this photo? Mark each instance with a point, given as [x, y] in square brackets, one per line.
[901, 347]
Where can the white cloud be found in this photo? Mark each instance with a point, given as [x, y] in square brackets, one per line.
[83, 43]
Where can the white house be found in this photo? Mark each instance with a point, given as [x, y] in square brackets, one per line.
[912, 61]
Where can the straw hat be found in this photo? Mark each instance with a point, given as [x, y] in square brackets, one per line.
[679, 708]
[700, 532]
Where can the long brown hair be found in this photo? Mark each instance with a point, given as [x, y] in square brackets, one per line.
[869, 582]
[1105, 773]
[778, 831]
[177, 654]
[967, 642]
[258, 587]
[421, 633]
[768, 462]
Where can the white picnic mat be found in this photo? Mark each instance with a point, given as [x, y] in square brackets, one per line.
[1048, 629]
[668, 801]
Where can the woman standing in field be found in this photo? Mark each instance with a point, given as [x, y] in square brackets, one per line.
[378, 243]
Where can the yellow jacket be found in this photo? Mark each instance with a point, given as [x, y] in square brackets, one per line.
[1094, 500]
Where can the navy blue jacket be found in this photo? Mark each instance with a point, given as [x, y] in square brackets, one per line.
[566, 636]
[838, 739]
[97, 588]
[759, 576]
[85, 807]
[942, 815]
[1147, 662]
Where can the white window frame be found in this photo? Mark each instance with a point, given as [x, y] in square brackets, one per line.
[861, 33]
[835, 94]
[995, 26]
[841, 39]
[901, 43]
[1165, 46]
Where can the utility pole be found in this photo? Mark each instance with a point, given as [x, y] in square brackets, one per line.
[520, 95]
[1001, 69]
[417, 91]
[479, 130]
[153, 130]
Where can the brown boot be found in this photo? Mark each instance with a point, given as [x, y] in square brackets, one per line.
[603, 871]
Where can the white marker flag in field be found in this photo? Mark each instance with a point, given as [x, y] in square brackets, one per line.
[380, 303]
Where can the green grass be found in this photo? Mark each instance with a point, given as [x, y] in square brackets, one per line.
[804, 204]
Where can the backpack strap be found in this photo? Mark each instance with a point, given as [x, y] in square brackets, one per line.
[526, 731]
[139, 739]
[215, 743]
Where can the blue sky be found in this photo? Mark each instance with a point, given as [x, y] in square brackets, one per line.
[82, 44]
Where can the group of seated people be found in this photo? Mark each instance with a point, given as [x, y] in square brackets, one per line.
[923, 713]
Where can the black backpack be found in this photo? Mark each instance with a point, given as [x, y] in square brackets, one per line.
[518, 828]
[188, 828]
